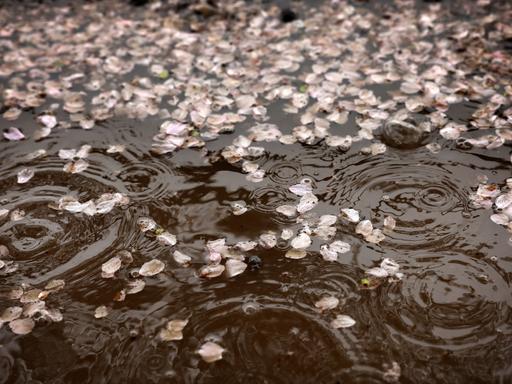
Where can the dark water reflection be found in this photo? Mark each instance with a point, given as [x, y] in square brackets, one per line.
[448, 321]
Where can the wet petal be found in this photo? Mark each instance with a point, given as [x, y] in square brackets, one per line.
[13, 134]
[503, 201]
[117, 148]
[55, 285]
[351, 214]
[364, 228]
[151, 268]
[22, 326]
[296, 254]
[375, 237]
[67, 154]
[211, 271]
[25, 175]
[286, 234]
[268, 240]
[246, 245]
[235, 267]
[76, 167]
[307, 203]
[173, 330]
[135, 286]
[328, 254]
[377, 272]
[301, 189]
[287, 210]
[302, 241]
[181, 258]
[342, 321]
[111, 266]
[389, 223]
[166, 238]
[326, 303]
[390, 266]
[211, 352]
[146, 224]
[101, 311]
[500, 219]
[10, 314]
[326, 220]
[340, 246]
[238, 207]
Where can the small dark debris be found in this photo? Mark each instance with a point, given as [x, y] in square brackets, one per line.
[255, 263]
[462, 143]
[138, 3]
[287, 15]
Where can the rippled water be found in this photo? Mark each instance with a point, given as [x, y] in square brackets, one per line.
[449, 320]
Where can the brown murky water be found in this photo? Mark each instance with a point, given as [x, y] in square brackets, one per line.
[447, 320]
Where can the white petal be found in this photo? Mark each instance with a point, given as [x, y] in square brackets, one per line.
[389, 223]
[146, 224]
[135, 286]
[296, 254]
[211, 352]
[83, 151]
[327, 220]
[268, 240]
[503, 201]
[327, 253]
[245, 101]
[301, 189]
[351, 214]
[14, 134]
[25, 175]
[22, 326]
[10, 314]
[101, 311]
[302, 241]
[378, 148]
[390, 266]
[246, 245]
[286, 234]
[238, 207]
[340, 246]
[111, 266]
[181, 258]
[375, 237]
[173, 330]
[500, 218]
[117, 148]
[151, 268]
[211, 270]
[256, 177]
[342, 321]
[287, 210]
[166, 238]
[307, 203]
[235, 267]
[364, 228]
[450, 133]
[327, 302]
[377, 272]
